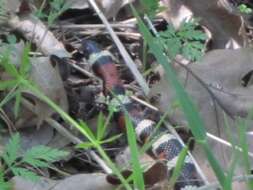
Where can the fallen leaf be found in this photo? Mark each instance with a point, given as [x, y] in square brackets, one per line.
[228, 74]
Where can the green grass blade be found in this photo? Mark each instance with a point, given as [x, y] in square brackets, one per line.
[190, 110]
[214, 163]
[86, 128]
[111, 139]
[137, 170]
[242, 127]
[25, 62]
[11, 150]
[9, 96]
[7, 84]
[101, 127]
[153, 136]
[230, 174]
[180, 163]
[8, 66]
[77, 125]
[194, 121]
[85, 145]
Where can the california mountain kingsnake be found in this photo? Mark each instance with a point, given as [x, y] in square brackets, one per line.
[166, 147]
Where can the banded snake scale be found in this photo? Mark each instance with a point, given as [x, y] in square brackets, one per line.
[167, 146]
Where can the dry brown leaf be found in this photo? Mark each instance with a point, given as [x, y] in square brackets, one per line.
[228, 73]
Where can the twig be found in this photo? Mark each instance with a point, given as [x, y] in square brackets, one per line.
[128, 60]
[7, 120]
[133, 35]
[34, 30]
[144, 103]
[81, 70]
[94, 26]
[226, 143]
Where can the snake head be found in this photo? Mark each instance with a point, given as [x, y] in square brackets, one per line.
[89, 47]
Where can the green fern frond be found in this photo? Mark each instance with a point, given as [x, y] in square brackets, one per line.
[3, 184]
[25, 173]
[41, 156]
[187, 41]
[12, 149]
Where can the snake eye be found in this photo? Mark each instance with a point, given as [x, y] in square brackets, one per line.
[89, 47]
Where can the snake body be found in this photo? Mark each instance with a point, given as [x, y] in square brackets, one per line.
[167, 146]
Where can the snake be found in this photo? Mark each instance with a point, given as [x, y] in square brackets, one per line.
[166, 146]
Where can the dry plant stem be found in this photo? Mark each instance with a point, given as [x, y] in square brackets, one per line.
[34, 30]
[6, 119]
[144, 103]
[226, 143]
[94, 26]
[131, 20]
[64, 132]
[128, 60]
[83, 71]
[133, 35]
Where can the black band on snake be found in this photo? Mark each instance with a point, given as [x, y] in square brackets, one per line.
[166, 147]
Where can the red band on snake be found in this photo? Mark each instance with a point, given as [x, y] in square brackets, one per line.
[167, 146]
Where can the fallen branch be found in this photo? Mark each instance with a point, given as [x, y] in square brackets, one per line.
[35, 31]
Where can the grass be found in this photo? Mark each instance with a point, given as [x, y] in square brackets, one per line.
[20, 80]
[195, 122]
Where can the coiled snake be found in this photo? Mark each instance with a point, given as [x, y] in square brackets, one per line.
[167, 146]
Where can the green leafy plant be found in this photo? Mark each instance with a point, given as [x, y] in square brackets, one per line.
[101, 132]
[3, 184]
[57, 7]
[152, 7]
[194, 120]
[132, 141]
[244, 9]
[14, 161]
[17, 76]
[19, 80]
[187, 41]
